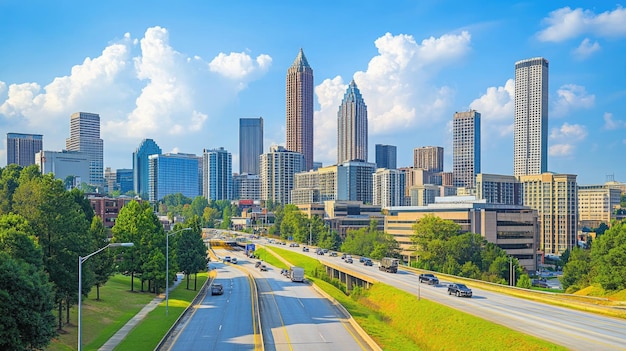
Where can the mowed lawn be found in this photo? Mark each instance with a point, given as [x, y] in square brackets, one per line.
[101, 319]
[397, 321]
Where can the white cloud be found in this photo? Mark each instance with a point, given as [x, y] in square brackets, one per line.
[396, 87]
[565, 23]
[612, 124]
[586, 48]
[561, 150]
[239, 65]
[140, 87]
[498, 103]
[566, 137]
[571, 97]
[571, 132]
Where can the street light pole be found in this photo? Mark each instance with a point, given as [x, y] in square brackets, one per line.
[310, 232]
[167, 268]
[80, 287]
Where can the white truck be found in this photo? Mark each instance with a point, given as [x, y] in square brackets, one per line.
[296, 274]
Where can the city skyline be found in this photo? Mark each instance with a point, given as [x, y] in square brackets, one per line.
[156, 78]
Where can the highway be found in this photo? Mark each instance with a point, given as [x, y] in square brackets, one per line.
[295, 317]
[220, 322]
[571, 328]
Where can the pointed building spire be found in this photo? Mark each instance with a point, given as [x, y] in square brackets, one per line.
[300, 62]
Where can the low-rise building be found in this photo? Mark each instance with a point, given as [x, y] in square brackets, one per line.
[513, 228]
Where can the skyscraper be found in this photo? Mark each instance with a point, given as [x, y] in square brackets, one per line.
[300, 109]
[352, 126]
[429, 158]
[250, 144]
[141, 166]
[530, 139]
[174, 173]
[278, 168]
[388, 187]
[217, 174]
[21, 148]
[466, 148]
[85, 137]
[386, 156]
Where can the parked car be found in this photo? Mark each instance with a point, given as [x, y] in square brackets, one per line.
[459, 290]
[541, 283]
[217, 289]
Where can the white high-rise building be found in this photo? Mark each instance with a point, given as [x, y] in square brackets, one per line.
[278, 169]
[352, 127]
[466, 148]
[85, 137]
[530, 148]
[217, 174]
[388, 187]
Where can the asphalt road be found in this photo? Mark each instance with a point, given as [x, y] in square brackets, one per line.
[295, 317]
[220, 322]
[573, 329]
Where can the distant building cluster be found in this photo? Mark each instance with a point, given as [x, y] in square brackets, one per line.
[529, 213]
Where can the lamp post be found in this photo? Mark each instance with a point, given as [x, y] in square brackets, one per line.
[167, 268]
[310, 232]
[80, 286]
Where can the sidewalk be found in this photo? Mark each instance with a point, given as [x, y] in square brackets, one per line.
[123, 332]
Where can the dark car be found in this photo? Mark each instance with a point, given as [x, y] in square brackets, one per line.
[305, 249]
[217, 289]
[428, 278]
[459, 290]
[367, 262]
[257, 264]
[362, 259]
[541, 283]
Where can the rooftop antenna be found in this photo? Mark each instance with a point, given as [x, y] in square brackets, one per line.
[610, 178]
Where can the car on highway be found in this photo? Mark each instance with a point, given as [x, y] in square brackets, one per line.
[217, 289]
[305, 249]
[233, 260]
[294, 245]
[263, 267]
[258, 264]
[362, 259]
[429, 278]
[368, 262]
[348, 260]
[226, 259]
[333, 254]
[460, 290]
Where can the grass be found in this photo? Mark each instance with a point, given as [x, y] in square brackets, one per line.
[102, 319]
[396, 320]
[149, 332]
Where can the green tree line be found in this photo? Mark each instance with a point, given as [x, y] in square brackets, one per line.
[603, 264]
[441, 246]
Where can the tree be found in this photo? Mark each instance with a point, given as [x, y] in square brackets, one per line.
[61, 228]
[26, 304]
[524, 282]
[576, 271]
[190, 249]
[9, 181]
[102, 264]
[609, 258]
[135, 223]
[26, 295]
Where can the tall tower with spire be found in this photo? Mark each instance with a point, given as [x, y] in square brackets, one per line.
[352, 126]
[300, 109]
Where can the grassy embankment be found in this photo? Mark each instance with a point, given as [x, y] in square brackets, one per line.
[151, 329]
[396, 320]
[117, 305]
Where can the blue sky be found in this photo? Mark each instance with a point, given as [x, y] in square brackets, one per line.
[183, 74]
